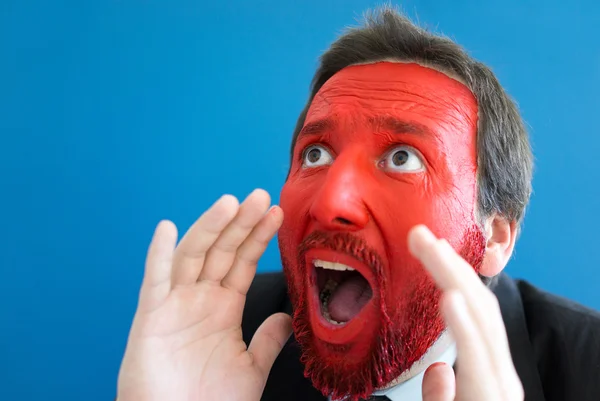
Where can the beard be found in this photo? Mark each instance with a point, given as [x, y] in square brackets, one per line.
[404, 332]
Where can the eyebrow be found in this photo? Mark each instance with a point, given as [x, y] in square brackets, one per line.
[317, 127]
[398, 126]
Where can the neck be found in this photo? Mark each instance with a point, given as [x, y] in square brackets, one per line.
[432, 354]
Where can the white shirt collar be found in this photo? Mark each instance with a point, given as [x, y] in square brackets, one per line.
[411, 389]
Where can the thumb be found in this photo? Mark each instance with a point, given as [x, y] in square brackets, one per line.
[439, 383]
[268, 341]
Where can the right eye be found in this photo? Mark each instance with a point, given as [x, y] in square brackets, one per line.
[315, 156]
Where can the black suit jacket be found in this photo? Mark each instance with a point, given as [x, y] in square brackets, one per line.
[555, 343]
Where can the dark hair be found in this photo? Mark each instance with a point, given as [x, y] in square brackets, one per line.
[504, 158]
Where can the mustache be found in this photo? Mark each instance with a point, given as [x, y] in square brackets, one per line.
[343, 242]
[387, 358]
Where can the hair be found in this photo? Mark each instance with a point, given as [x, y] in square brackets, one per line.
[504, 157]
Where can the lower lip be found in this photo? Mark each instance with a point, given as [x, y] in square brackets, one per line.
[322, 328]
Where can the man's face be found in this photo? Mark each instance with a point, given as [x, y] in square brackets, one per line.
[384, 147]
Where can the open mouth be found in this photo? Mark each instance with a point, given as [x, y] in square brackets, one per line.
[343, 291]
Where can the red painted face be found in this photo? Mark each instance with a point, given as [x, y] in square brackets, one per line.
[384, 147]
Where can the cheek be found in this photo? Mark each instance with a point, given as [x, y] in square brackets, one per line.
[449, 214]
[446, 204]
[295, 201]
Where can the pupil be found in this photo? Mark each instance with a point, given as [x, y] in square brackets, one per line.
[400, 157]
[314, 155]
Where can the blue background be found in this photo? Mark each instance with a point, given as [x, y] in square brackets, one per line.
[116, 114]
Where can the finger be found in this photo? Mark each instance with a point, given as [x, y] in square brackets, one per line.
[475, 371]
[159, 260]
[451, 272]
[221, 255]
[447, 268]
[190, 254]
[439, 383]
[268, 341]
[243, 270]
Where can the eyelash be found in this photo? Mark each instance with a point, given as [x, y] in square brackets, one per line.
[309, 145]
[388, 148]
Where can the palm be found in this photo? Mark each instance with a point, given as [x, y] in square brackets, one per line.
[186, 340]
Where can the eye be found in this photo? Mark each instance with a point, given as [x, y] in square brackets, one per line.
[315, 156]
[403, 158]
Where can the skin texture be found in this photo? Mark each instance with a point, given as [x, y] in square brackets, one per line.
[347, 199]
[186, 344]
[485, 367]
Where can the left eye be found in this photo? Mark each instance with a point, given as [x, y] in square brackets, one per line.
[315, 156]
[403, 158]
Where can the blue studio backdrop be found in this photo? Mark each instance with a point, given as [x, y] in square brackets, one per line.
[116, 114]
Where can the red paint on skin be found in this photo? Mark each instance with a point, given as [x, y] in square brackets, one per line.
[358, 210]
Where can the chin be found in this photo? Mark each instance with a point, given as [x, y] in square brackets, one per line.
[353, 339]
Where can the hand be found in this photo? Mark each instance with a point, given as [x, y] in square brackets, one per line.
[186, 339]
[485, 368]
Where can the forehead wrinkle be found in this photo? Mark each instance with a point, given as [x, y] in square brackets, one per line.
[453, 117]
[447, 115]
[437, 93]
[413, 94]
[443, 107]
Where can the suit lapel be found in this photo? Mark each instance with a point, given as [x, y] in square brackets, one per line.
[521, 348]
[286, 380]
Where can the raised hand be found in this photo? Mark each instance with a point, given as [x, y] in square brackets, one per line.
[485, 368]
[186, 341]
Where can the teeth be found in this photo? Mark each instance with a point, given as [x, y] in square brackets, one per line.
[331, 265]
[330, 320]
[329, 287]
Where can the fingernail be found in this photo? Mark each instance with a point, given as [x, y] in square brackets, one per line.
[419, 236]
[227, 198]
[425, 233]
[435, 365]
[275, 209]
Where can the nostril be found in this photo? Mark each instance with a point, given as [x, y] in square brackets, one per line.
[343, 221]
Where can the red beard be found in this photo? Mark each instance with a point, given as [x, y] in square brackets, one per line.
[396, 344]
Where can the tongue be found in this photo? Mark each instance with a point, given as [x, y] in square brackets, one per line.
[349, 298]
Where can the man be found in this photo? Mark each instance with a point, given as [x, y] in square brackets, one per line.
[405, 139]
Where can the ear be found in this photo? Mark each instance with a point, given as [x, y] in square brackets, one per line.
[501, 235]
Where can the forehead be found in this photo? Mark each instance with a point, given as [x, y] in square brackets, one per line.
[406, 91]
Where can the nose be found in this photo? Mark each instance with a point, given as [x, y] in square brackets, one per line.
[339, 204]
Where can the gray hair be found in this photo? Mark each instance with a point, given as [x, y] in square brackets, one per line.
[504, 157]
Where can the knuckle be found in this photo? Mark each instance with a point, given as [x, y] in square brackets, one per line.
[261, 241]
[248, 259]
[184, 253]
[226, 246]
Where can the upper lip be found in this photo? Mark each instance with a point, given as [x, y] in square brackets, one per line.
[336, 334]
[344, 258]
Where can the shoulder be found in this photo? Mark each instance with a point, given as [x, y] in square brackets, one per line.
[554, 315]
[267, 295]
[566, 340]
